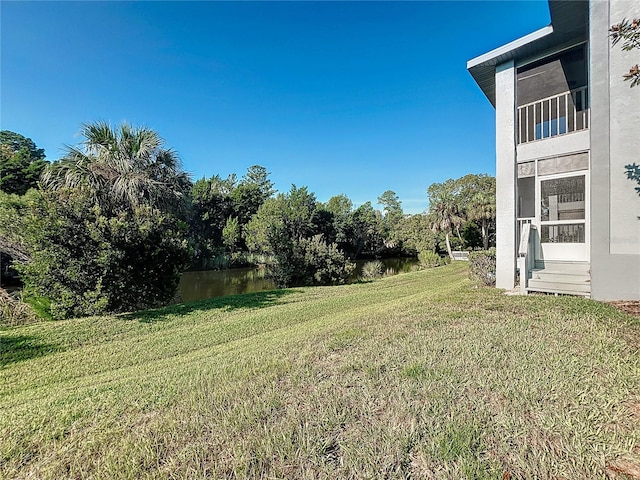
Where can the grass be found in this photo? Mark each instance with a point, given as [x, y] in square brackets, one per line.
[413, 376]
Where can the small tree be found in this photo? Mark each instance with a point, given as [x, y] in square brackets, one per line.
[415, 235]
[629, 33]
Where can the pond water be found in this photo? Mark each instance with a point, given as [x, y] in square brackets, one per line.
[218, 283]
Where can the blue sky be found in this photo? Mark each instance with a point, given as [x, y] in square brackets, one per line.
[342, 97]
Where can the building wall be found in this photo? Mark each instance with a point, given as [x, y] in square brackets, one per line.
[615, 142]
[554, 146]
[505, 176]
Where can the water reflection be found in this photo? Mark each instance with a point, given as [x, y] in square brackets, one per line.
[218, 283]
[392, 266]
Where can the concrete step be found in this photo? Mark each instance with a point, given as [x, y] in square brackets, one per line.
[548, 276]
[571, 288]
[559, 291]
[561, 277]
[555, 266]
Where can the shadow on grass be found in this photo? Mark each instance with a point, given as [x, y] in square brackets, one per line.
[24, 347]
[228, 303]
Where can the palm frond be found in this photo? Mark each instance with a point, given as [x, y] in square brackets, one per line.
[125, 166]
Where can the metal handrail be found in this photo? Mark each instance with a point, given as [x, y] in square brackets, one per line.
[561, 108]
[525, 253]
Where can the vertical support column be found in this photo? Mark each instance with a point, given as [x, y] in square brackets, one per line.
[505, 176]
[614, 126]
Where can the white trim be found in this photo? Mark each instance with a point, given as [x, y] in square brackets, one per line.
[520, 42]
[565, 251]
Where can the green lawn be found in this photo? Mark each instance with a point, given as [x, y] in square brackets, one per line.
[414, 376]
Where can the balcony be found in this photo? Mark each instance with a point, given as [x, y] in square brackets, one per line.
[560, 114]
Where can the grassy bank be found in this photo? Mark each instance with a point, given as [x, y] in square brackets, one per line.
[418, 375]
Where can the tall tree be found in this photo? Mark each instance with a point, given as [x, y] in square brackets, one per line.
[121, 168]
[289, 227]
[293, 213]
[391, 206]
[105, 234]
[341, 208]
[257, 175]
[392, 211]
[414, 233]
[212, 204]
[253, 190]
[367, 226]
[21, 163]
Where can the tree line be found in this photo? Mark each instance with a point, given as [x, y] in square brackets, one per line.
[110, 226]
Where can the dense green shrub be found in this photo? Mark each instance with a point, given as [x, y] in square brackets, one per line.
[482, 268]
[324, 263]
[428, 259]
[305, 261]
[373, 269]
[86, 262]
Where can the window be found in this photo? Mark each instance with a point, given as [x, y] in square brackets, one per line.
[562, 201]
[526, 197]
[567, 233]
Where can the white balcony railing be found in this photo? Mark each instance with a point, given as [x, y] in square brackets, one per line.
[564, 113]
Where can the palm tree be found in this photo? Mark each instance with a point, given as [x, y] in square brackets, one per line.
[444, 217]
[122, 167]
[444, 209]
[482, 207]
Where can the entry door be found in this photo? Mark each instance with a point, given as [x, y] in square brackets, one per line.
[562, 212]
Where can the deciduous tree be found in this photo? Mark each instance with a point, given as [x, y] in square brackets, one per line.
[21, 163]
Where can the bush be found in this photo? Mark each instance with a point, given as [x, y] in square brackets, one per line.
[86, 263]
[428, 259]
[306, 261]
[325, 264]
[13, 311]
[445, 261]
[373, 269]
[482, 267]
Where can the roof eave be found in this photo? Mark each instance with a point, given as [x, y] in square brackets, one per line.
[491, 58]
[569, 19]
